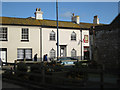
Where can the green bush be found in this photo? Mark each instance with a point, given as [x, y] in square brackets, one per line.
[22, 67]
[36, 68]
[94, 65]
[80, 65]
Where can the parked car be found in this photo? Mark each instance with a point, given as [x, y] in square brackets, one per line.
[66, 61]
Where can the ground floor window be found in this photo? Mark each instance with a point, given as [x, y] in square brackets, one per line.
[52, 53]
[24, 54]
[73, 53]
[3, 54]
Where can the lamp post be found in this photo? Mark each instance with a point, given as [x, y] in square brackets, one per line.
[57, 29]
[81, 43]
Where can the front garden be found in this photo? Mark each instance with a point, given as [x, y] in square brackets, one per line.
[52, 74]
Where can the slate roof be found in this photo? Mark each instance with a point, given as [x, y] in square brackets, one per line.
[44, 23]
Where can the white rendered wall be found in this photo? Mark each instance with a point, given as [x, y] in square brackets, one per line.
[85, 32]
[64, 39]
[14, 41]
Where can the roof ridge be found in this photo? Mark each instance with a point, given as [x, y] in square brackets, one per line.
[33, 19]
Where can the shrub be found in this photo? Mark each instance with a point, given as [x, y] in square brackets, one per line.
[22, 67]
[37, 68]
[94, 65]
[80, 65]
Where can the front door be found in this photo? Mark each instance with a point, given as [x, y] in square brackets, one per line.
[62, 51]
[86, 53]
[3, 55]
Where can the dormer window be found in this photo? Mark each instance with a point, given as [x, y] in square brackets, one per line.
[73, 36]
[52, 36]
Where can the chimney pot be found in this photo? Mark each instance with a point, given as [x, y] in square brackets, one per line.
[36, 9]
[73, 14]
[75, 19]
[38, 14]
[96, 20]
[39, 9]
[96, 16]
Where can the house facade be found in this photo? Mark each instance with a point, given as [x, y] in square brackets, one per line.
[22, 38]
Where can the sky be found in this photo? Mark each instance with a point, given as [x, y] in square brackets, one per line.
[106, 11]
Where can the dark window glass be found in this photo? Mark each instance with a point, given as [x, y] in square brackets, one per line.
[3, 34]
[25, 34]
[52, 53]
[73, 36]
[24, 54]
[52, 35]
[73, 53]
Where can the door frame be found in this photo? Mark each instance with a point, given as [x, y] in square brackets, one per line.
[65, 46]
[4, 49]
[87, 47]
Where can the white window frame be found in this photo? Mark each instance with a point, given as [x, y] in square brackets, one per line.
[52, 36]
[73, 36]
[52, 53]
[23, 54]
[73, 53]
[25, 34]
[3, 33]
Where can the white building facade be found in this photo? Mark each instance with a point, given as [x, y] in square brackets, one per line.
[22, 38]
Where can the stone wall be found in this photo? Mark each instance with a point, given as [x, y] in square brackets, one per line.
[106, 50]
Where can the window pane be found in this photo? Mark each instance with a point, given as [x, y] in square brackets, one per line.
[24, 53]
[3, 33]
[73, 36]
[52, 35]
[28, 56]
[20, 54]
[25, 34]
[52, 53]
[73, 53]
[28, 53]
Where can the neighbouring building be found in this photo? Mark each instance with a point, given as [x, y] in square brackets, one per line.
[22, 38]
[106, 48]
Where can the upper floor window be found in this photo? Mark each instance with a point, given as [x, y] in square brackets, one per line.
[52, 53]
[73, 36]
[73, 53]
[52, 35]
[25, 34]
[3, 34]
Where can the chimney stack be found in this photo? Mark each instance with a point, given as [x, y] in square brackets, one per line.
[38, 14]
[96, 20]
[75, 19]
